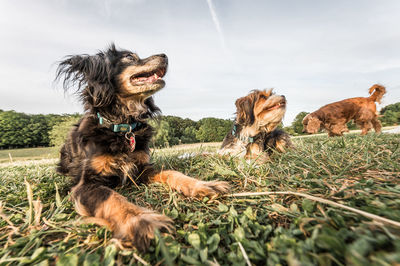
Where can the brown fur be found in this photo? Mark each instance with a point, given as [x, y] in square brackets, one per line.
[189, 186]
[117, 86]
[257, 116]
[104, 164]
[333, 117]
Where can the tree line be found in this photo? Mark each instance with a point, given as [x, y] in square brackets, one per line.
[173, 130]
[18, 130]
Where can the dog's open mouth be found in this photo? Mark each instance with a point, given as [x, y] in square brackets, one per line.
[277, 106]
[147, 77]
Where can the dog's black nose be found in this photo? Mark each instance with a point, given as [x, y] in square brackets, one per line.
[164, 57]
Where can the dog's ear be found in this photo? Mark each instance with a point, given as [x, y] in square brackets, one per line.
[244, 110]
[73, 70]
[90, 74]
[82, 70]
[305, 123]
[313, 125]
[97, 95]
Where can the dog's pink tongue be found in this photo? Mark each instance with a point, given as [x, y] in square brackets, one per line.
[152, 78]
[275, 107]
[148, 79]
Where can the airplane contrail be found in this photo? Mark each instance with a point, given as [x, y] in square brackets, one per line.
[226, 51]
[217, 24]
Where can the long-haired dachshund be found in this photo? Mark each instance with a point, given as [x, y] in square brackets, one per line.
[109, 146]
[254, 134]
[333, 117]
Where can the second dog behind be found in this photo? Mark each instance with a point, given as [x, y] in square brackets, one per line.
[254, 134]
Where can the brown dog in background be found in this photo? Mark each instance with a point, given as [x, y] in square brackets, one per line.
[255, 128]
[333, 117]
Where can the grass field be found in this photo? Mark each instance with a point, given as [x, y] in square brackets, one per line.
[39, 225]
[28, 154]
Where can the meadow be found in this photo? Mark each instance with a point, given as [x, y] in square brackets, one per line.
[38, 223]
[28, 154]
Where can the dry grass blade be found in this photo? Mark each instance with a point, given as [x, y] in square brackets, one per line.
[246, 258]
[325, 201]
[30, 201]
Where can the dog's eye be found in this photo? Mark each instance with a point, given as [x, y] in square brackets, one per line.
[131, 57]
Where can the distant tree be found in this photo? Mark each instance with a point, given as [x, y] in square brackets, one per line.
[14, 130]
[178, 129]
[391, 107]
[23, 130]
[189, 135]
[390, 118]
[390, 114]
[213, 129]
[289, 130]
[162, 137]
[59, 131]
[297, 124]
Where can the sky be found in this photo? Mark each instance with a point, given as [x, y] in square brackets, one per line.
[313, 52]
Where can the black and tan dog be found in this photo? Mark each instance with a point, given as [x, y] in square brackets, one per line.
[110, 144]
[254, 134]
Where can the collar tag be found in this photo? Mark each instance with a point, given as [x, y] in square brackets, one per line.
[131, 139]
[122, 128]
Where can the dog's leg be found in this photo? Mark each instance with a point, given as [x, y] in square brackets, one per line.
[337, 129]
[255, 152]
[377, 125]
[365, 127]
[332, 133]
[345, 128]
[189, 186]
[128, 222]
[365, 116]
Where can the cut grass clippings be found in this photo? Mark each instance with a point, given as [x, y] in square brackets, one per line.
[38, 223]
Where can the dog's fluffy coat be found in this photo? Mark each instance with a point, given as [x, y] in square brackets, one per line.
[333, 117]
[254, 134]
[117, 85]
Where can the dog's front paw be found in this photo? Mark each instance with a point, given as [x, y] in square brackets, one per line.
[208, 189]
[139, 229]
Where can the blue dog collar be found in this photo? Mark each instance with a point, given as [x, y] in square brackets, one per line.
[118, 127]
[234, 129]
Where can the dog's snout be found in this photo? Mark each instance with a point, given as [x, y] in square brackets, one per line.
[164, 57]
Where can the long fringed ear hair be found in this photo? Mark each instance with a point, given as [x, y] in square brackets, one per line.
[244, 109]
[91, 75]
[313, 124]
[153, 110]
